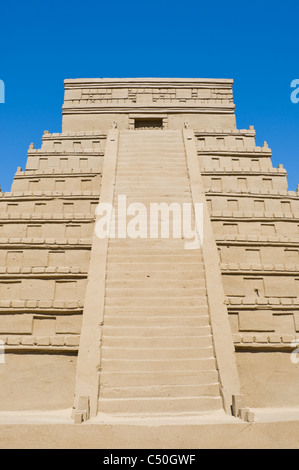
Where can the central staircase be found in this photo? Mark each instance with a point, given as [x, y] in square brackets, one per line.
[157, 353]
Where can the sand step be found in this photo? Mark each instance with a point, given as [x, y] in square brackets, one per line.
[159, 163]
[142, 178]
[147, 365]
[148, 282]
[154, 160]
[146, 199]
[144, 143]
[159, 405]
[134, 250]
[149, 174]
[153, 258]
[163, 190]
[148, 244]
[156, 391]
[152, 321]
[150, 166]
[125, 292]
[142, 378]
[151, 182]
[150, 310]
[154, 267]
[157, 331]
[157, 342]
[156, 301]
[161, 276]
[127, 153]
[161, 354]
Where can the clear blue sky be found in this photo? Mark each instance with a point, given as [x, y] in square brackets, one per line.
[42, 43]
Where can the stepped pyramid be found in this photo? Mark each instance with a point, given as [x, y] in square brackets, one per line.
[122, 327]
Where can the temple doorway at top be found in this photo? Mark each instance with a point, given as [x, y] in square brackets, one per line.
[148, 123]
